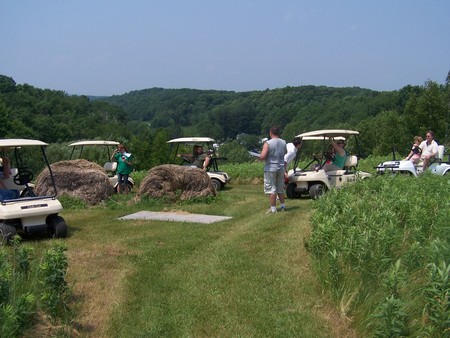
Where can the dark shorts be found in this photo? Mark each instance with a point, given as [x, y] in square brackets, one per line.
[122, 178]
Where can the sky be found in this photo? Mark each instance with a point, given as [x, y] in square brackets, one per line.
[111, 47]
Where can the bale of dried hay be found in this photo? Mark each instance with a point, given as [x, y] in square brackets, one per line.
[78, 178]
[171, 180]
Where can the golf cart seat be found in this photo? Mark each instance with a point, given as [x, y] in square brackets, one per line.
[110, 166]
[440, 153]
[351, 162]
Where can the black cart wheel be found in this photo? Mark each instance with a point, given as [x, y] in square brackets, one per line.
[7, 233]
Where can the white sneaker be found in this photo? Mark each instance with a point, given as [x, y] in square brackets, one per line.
[270, 211]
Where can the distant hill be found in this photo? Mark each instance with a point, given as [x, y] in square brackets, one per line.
[385, 119]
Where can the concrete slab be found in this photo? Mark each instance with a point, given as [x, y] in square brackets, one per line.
[175, 217]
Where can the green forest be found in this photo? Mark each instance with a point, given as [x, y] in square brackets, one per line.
[146, 119]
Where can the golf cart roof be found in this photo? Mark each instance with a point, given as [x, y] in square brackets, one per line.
[312, 138]
[20, 142]
[191, 140]
[328, 133]
[94, 143]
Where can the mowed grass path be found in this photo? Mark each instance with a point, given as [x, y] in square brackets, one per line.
[244, 277]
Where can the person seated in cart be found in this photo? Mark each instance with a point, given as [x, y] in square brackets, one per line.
[202, 160]
[340, 155]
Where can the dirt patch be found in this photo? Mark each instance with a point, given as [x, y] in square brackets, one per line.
[78, 178]
[176, 182]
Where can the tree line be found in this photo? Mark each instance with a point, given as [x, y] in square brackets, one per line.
[146, 119]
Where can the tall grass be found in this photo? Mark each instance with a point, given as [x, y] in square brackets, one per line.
[30, 285]
[379, 240]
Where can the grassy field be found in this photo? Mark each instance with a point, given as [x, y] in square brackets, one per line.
[247, 277]
[252, 276]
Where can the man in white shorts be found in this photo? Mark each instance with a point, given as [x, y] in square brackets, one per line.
[272, 154]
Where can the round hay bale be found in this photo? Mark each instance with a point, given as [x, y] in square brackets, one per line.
[78, 178]
[169, 180]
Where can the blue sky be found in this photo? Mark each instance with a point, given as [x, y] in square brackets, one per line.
[110, 47]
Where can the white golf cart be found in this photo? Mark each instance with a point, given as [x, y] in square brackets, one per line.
[185, 144]
[24, 212]
[437, 166]
[105, 155]
[312, 179]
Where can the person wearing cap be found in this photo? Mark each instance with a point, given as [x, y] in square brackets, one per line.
[340, 154]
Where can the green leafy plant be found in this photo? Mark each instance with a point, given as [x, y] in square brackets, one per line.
[52, 273]
[437, 308]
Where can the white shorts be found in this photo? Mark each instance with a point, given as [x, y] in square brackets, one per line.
[274, 182]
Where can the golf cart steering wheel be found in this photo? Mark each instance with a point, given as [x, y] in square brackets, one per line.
[23, 177]
[328, 156]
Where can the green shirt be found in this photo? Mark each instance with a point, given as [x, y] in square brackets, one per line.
[123, 167]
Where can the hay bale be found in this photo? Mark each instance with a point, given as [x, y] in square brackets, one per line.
[78, 178]
[169, 180]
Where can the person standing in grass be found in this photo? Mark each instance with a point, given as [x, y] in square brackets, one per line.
[124, 167]
[272, 154]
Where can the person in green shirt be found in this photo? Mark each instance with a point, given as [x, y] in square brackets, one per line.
[124, 161]
[340, 154]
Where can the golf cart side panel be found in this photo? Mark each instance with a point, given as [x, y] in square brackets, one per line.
[222, 177]
[27, 207]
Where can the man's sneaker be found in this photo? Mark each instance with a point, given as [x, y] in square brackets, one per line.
[283, 209]
[269, 211]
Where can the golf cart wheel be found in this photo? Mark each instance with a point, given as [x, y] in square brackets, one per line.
[216, 184]
[129, 186]
[290, 191]
[7, 233]
[316, 191]
[58, 227]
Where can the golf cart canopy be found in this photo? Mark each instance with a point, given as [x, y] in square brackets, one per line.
[94, 143]
[19, 142]
[319, 138]
[192, 140]
[328, 133]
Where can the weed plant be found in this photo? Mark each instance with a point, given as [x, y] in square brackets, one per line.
[29, 286]
[377, 239]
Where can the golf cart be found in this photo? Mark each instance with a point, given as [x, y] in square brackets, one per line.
[312, 179]
[185, 144]
[110, 167]
[23, 211]
[437, 166]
